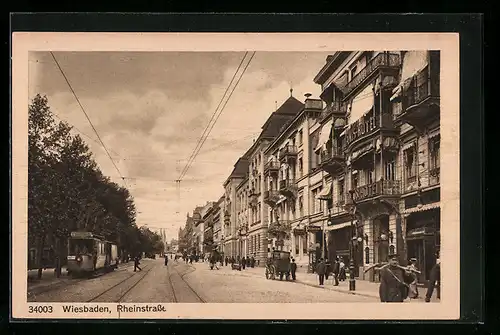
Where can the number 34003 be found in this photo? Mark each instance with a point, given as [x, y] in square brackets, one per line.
[40, 309]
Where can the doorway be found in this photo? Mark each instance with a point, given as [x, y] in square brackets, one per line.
[423, 249]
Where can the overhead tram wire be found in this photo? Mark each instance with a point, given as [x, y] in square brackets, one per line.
[197, 147]
[86, 115]
[220, 112]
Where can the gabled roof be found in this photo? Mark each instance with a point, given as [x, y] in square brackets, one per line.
[240, 169]
[271, 128]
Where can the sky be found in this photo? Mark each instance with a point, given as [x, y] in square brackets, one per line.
[151, 108]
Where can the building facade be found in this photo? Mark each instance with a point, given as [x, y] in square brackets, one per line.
[218, 220]
[354, 174]
[382, 147]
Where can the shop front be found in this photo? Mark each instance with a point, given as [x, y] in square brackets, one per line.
[423, 239]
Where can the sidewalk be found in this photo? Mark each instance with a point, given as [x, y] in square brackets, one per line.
[363, 287]
[49, 281]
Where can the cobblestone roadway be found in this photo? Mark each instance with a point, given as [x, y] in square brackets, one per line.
[175, 283]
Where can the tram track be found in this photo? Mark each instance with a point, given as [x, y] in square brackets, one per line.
[149, 268]
[181, 276]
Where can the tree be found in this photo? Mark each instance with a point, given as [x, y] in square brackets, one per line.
[67, 191]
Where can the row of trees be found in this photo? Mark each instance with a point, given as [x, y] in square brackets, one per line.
[68, 192]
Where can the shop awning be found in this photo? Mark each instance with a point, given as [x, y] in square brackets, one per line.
[326, 193]
[339, 226]
[424, 208]
[280, 200]
[324, 135]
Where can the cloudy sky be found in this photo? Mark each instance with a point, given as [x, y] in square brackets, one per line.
[151, 108]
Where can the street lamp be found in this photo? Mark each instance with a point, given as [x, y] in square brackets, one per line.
[351, 207]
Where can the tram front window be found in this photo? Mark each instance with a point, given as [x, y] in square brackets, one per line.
[80, 246]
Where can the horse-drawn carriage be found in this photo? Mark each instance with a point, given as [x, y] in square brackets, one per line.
[278, 265]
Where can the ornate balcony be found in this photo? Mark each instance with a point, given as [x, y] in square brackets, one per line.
[385, 61]
[279, 229]
[271, 197]
[420, 100]
[253, 197]
[367, 126]
[288, 153]
[288, 188]
[332, 160]
[272, 167]
[335, 109]
[434, 175]
[381, 188]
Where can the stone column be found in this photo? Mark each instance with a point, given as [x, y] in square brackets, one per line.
[393, 245]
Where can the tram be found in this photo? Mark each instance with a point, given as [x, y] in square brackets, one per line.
[89, 253]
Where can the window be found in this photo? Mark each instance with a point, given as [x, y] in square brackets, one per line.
[434, 153]
[341, 191]
[304, 244]
[354, 180]
[317, 204]
[297, 246]
[301, 137]
[369, 176]
[301, 167]
[353, 71]
[390, 170]
[410, 165]
[301, 206]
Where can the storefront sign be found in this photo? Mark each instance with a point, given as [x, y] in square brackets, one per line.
[313, 229]
[298, 231]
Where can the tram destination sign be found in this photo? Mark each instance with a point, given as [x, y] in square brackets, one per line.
[81, 234]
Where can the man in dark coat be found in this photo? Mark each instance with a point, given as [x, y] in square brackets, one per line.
[321, 270]
[394, 281]
[433, 279]
[336, 271]
[293, 269]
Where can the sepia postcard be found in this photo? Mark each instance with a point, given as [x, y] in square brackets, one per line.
[235, 176]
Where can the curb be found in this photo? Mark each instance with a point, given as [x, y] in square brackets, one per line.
[337, 290]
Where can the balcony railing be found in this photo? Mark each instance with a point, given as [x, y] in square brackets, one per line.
[289, 150]
[368, 124]
[272, 194]
[279, 229]
[423, 85]
[287, 184]
[382, 60]
[379, 188]
[272, 166]
[336, 107]
[334, 152]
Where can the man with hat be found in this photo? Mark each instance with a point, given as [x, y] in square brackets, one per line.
[413, 289]
[394, 281]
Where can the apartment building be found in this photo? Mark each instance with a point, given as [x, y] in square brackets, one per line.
[251, 209]
[231, 238]
[207, 221]
[218, 220]
[290, 179]
[379, 142]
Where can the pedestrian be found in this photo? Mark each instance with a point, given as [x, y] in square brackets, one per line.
[434, 281]
[342, 275]
[226, 260]
[328, 268]
[293, 269]
[320, 270]
[136, 264]
[394, 281]
[243, 262]
[336, 271]
[413, 289]
[166, 260]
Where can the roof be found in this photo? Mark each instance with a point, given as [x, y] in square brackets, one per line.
[332, 62]
[240, 169]
[271, 128]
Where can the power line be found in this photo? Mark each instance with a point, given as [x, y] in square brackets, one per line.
[86, 115]
[184, 170]
[219, 114]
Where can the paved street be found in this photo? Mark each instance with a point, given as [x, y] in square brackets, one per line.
[184, 283]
